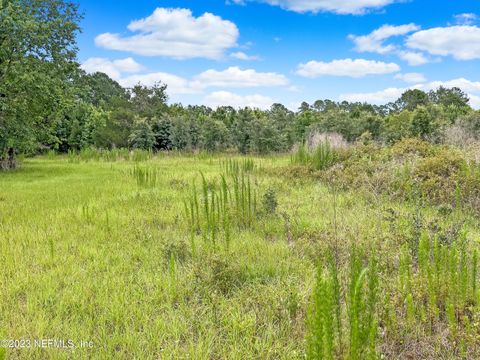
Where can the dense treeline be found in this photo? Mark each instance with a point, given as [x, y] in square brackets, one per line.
[48, 103]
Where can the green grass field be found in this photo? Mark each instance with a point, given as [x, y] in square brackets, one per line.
[91, 253]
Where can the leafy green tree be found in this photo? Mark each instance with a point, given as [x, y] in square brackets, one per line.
[282, 121]
[142, 136]
[163, 132]
[78, 127]
[37, 61]
[149, 102]
[449, 97]
[100, 90]
[266, 137]
[422, 122]
[242, 129]
[397, 126]
[114, 132]
[411, 99]
[214, 134]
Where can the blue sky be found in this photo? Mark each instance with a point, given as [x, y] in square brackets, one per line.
[256, 52]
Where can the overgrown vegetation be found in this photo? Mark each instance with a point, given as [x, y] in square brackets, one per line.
[248, 254]
[146, 229]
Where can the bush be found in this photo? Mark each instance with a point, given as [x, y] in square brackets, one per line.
[142, 137]
[270, 202]
[412, 146]
[322, 157]
[437, 177]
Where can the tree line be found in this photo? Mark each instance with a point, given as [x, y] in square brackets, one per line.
[48, 103]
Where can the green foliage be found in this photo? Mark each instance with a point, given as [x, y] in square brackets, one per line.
[328, 336]
[213, 212]
[145, 176]
[35, 78]
[422, 123]
[442, 287]
[235, 167]
[323, 156]
[142, 137]
[411, 99]
[269, 201]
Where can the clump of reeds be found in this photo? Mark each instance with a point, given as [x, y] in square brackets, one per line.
[213, 210]
[235, 166]
[145, 176]
[439, 283]
[321, 157]
[342, 320]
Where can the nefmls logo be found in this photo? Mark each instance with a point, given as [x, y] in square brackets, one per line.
[54, 343]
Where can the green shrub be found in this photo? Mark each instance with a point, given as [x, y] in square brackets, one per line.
[322, 157]
[438, 176]
[412, 146]
[328, 335]
[269, 201]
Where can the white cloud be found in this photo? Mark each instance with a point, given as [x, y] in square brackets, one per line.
[466, 18]
[475, 101]
[347, 67]
[461, 42]
[336, 6]
[175, 33]
[232, 77]
[226, 98]
[462, 83]
[373, 42]
[413, 58]
[176, 84]
[413, 78]
[240, 55]
[113, 68]
[472, 88]
[236, 77]
[378, 97]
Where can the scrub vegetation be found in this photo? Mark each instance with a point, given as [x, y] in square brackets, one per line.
[161, 231]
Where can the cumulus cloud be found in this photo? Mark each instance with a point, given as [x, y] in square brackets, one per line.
[356, 7]
[226, 98]
[346, 67]
[472, 88]
[373, 42]
[175, 84]
[240, 55]
[413, 78]
[232, 77]
[113, 68]
[466, 18]
[236, 77]
[377, 97]
[461, 42]
[175, 33]
[462, 83]
[413, 58]
[475, 101]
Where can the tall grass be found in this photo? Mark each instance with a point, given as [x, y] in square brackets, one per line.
[442, 284]
[145, 176]
[213, 210]
[235, 166]
[321, 158]
[112, 155]
[344, 327]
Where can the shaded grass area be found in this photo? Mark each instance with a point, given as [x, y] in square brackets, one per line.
[89, 252]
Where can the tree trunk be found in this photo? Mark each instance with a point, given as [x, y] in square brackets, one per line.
[8, 160]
